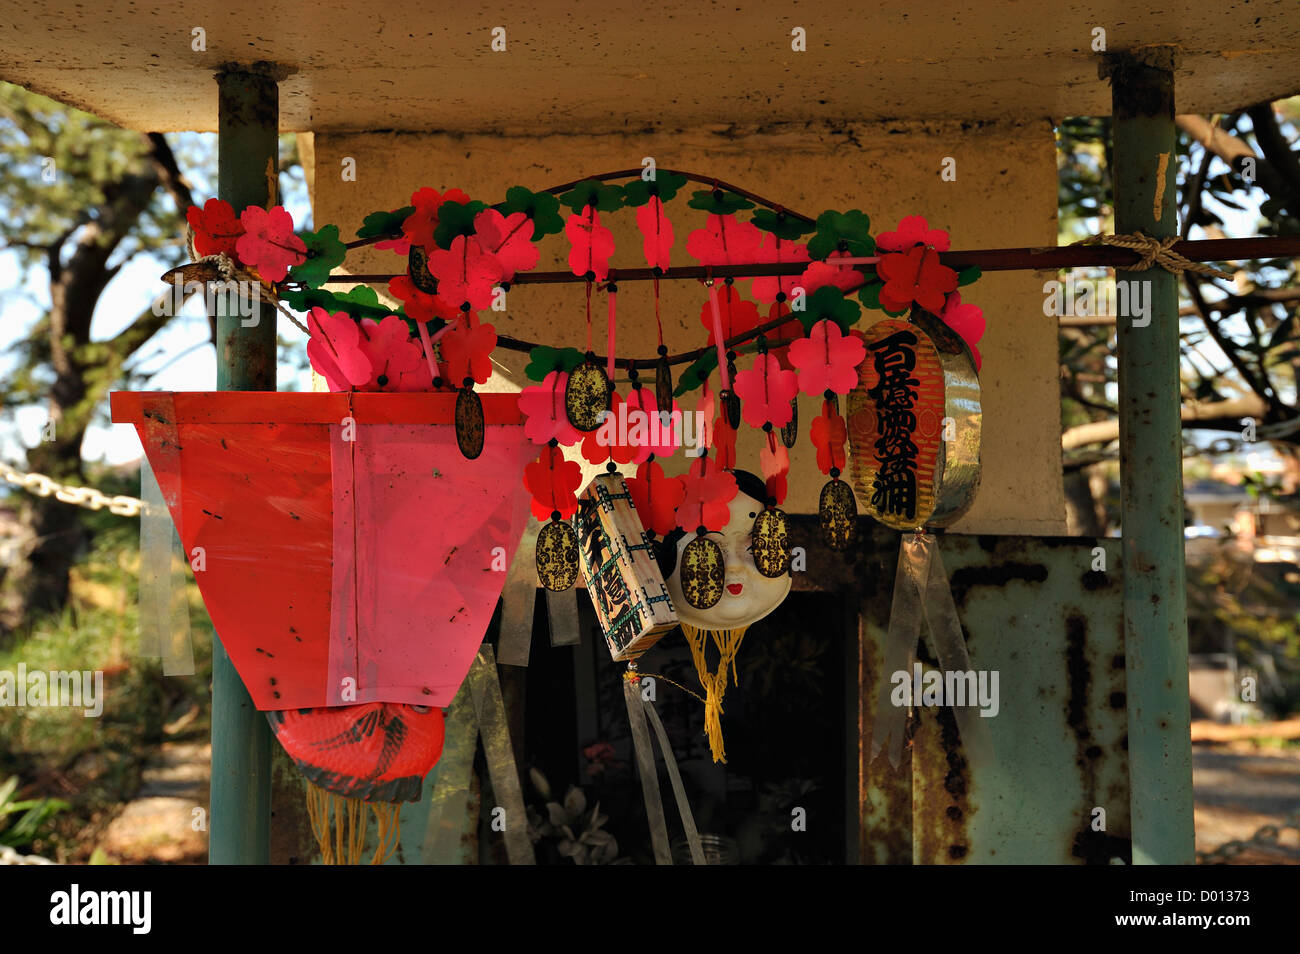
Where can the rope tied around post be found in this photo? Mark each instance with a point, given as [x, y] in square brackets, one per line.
[1155, 252]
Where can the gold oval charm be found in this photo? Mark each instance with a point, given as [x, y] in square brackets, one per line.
[417, 270]
[586, 396]
[770, 543]
[702, 572]
[838, 509]
[469, 423]
[557, 556]
[790, 432]
[664, 385]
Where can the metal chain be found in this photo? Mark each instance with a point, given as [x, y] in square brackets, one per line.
[87, 497]
[1267, 835]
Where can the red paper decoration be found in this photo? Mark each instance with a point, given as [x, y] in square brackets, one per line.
[553, 482]
[829, 434]
[397, 362]
[967, 321]
[657, 233]
[334, 350]
[765, 391]
[592, 244]
[419, 226]
[656, 497]
[707, 491]
[509, 239]
[725, 241]
[418, 305]
[543, 409]
[268, 243]
[467, 351]
[827, 359]
[466, 273]
[916, 275]
[216, 228]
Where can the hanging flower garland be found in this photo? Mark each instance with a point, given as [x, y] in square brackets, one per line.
[461, 253]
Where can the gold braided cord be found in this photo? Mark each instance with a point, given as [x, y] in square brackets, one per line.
[1154, 252]
[340, 825]
[715, 684]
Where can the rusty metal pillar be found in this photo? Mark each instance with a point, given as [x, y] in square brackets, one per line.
[1151, 465]
[248, 109]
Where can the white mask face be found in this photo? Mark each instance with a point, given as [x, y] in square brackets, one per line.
[747, 595]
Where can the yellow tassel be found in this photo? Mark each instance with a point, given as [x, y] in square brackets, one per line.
[715, 684]
[340, 826]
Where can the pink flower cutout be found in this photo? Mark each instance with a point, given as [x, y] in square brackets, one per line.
[467, 352]
[827, 360]
[912, 230]
[765, 289]
[509, 238]
[820, 274]
[725, 241]
[656, 233]
[765, 391]
[967, 321]
[543, 408]
[592, 244]
[397, 362]
[738, 314]
[334, 350]
[610, 442]
[707, 492]
[465, 272]
[268, 243]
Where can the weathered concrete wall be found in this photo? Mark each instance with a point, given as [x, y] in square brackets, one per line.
[1004, 195]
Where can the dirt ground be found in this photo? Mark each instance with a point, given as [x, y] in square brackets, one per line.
[1247, 777]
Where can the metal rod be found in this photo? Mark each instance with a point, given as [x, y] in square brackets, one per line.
[987, 259]
[239, 829]
[1151, 470]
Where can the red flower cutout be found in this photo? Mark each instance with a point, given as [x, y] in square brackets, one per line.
[509, 238]
[738, 314]
[656, 497]
[216, 228]
[657, 232]
[967, 321]
[707, 491]
[829, 434]
[765, 391]
[612, 439]
[465, 272]
[418, 305]
[915, 276]
[397, 362]
[419, 225]
[782, 251]
[592, 243]
[268, 243]
[725, 241]
[774, 463]
[553, 482]
[543, 408]
[827, 359]
[467, 352]
[335, 351]
[912, 230]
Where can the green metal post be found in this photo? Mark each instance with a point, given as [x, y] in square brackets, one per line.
[248, 106]
[1151, 467]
